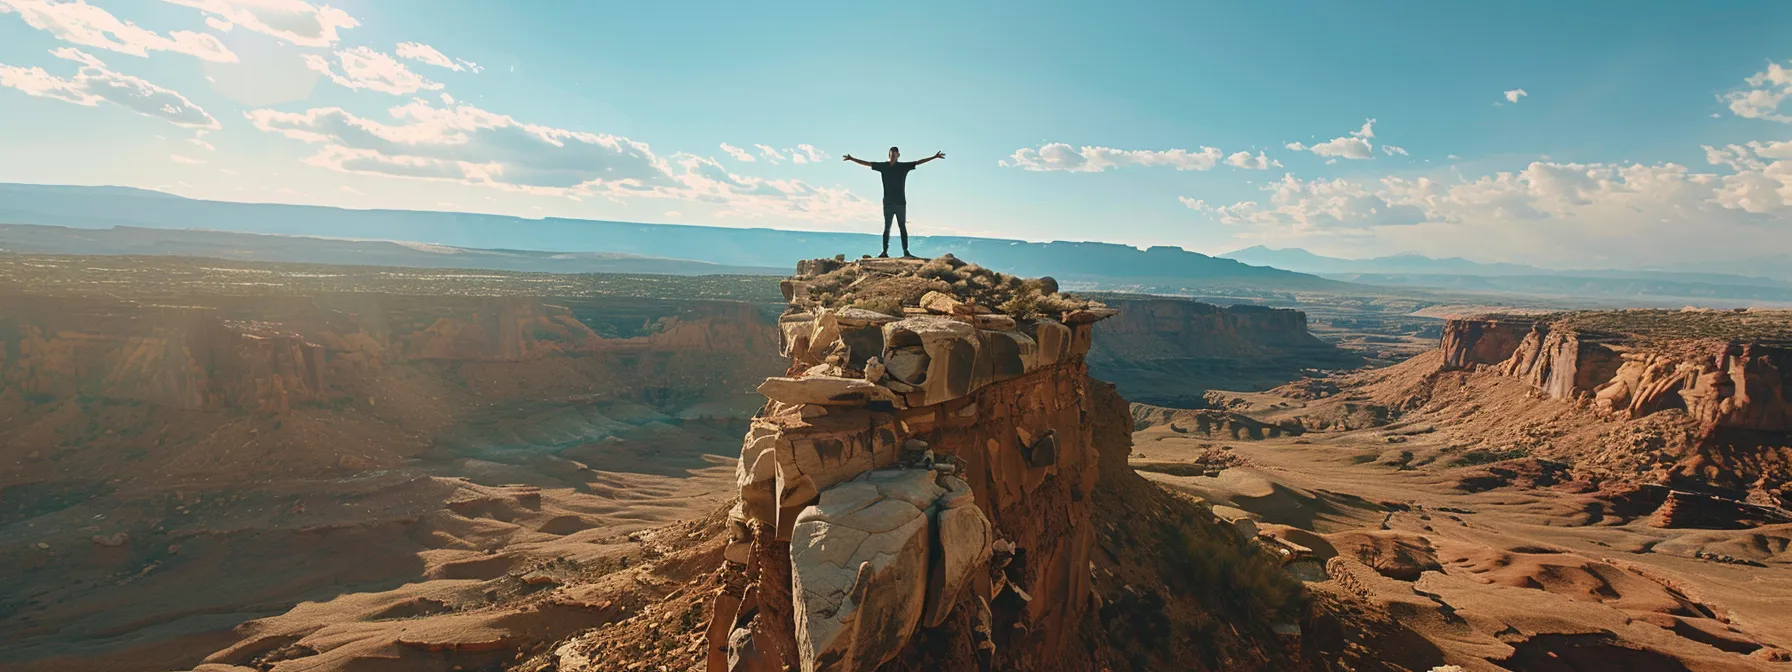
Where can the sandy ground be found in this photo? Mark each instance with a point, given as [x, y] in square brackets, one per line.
[1517, 576]
[449, 557]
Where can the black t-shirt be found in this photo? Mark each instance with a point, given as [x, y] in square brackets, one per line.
[895, 174]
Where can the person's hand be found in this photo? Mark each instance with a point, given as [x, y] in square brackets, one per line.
[848, 157]
[939, 155]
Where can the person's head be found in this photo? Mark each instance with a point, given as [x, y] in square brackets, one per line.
[894, 153]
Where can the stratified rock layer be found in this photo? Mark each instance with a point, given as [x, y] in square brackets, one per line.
[1721, 383]
[266, 354]
[899, 459]
[1168, 351]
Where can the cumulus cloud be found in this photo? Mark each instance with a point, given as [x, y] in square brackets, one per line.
[363, 68]
[1061, 157]
[201, 143]
[93, 84]
[1769, 88]
[800, 154]
[294, 21]
[1306, 205]
[1513, 95]
[89, 26]
[1391, 150]
[423, 53]
[1559, 211]
[738, 153]
[468, 145]
[1353, 146]
[1246, 161]
[771, 154]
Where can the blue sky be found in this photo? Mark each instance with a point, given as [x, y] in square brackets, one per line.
[1207, 125]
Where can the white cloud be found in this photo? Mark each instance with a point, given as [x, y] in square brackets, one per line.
[89, 26]
[770, 154]
[467, 145]
[1353, 146]
[364, 68]
[295, 21]
[809, 151]
[423, 53]
[1737, 157]
[1771, 87]
[1391, 150]
[351, 190]
[1294, 204]
[185, 159]
[738, 153]
[94, 83]
[201, 143]
[1559, 213]
[1246, 161]
[1058, 156]
[1513, 95]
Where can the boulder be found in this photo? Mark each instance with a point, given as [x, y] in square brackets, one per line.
[993, 322]
[859, 560]
[908, 365]
[942, 303]
[965, 542]
[824, 391]
[1089, 315]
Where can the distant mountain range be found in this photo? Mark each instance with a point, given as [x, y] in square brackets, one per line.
[123, 220]
[1458, 274]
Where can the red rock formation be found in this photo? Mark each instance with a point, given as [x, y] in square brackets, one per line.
[1162, 328]
[1170, 351]
[1468, 342]
[953, 490]
[266, 354]
[1722, 385]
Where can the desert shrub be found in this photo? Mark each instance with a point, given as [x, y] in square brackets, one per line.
[1022, 305]
[1228, 577]
[939, 268]
[1060, 303]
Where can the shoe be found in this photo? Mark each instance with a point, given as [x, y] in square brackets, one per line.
[885, 255]
[906, 255]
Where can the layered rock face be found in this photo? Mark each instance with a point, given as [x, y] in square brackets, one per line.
[266, 354]
[928, 469]
[1165, 351]
[1722, 384]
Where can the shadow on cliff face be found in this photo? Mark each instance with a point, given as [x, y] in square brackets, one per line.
[1170, 352]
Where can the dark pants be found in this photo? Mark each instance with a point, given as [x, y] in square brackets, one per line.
[898, 212]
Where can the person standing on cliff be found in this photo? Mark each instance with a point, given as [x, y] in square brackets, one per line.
[895, 173]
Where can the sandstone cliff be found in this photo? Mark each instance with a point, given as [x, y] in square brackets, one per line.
[925, 464]
[1169, 351]
[1720, 383]
[267, 354]
[921, 493]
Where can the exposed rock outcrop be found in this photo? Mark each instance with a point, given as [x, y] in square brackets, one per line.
[915, 471]
[266, 354]
[1727, 384]
[1167, 351]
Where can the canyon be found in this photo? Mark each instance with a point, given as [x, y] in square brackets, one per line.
[892, 464]
[385, 445]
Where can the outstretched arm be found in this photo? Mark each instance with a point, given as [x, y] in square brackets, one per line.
[936, 155]
[861, 162]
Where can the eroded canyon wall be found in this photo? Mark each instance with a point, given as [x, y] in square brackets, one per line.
[928, 470]
[267, 354]
[1168, 351]
[1720, 383]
